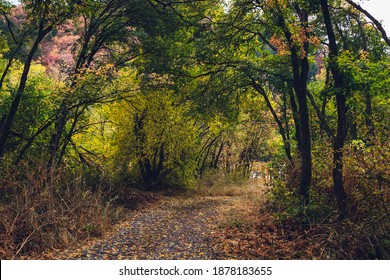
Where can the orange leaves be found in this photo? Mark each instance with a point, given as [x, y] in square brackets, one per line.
[276, 3]
[300, 36]
[280, 45]
[303, 35]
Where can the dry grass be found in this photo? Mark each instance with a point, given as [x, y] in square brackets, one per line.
[41, 211]
[219, 185]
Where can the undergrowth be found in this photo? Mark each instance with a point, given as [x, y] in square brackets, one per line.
[365, 233]
[41, 210]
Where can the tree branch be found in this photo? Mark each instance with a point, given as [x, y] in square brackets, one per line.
[374, 20]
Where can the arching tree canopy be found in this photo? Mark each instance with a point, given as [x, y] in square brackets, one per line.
[163, 94]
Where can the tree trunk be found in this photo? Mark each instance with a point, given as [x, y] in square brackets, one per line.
[368, 116]
[297, 125]
[56, 137]
[286, 142]
[300, 69]
[31, 140]
[217, 157]
[339, 87]
[306, 165]
[6, 129]
[338, 146]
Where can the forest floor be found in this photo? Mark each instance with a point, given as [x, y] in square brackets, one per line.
[225, 225]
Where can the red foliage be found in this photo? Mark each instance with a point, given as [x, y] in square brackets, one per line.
[57, 50]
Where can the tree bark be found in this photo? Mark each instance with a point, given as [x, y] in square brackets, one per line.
[300, 69]
[297, 125]
[339, 87]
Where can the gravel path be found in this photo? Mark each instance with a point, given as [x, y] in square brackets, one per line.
[175, 229]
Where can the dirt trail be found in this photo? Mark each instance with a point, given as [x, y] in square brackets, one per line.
[176, 228]
[231, 224]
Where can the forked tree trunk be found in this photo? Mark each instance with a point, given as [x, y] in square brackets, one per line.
[300, 69]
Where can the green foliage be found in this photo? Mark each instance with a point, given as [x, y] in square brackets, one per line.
[154, 139]
[162, 95]
[287, 206]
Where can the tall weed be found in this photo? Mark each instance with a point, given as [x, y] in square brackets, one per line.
[44, 209]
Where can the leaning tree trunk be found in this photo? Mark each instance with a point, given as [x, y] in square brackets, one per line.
[282, 131]
[6, 128]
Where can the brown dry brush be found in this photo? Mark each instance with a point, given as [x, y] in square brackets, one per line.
[365, 234]
[41, 210]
